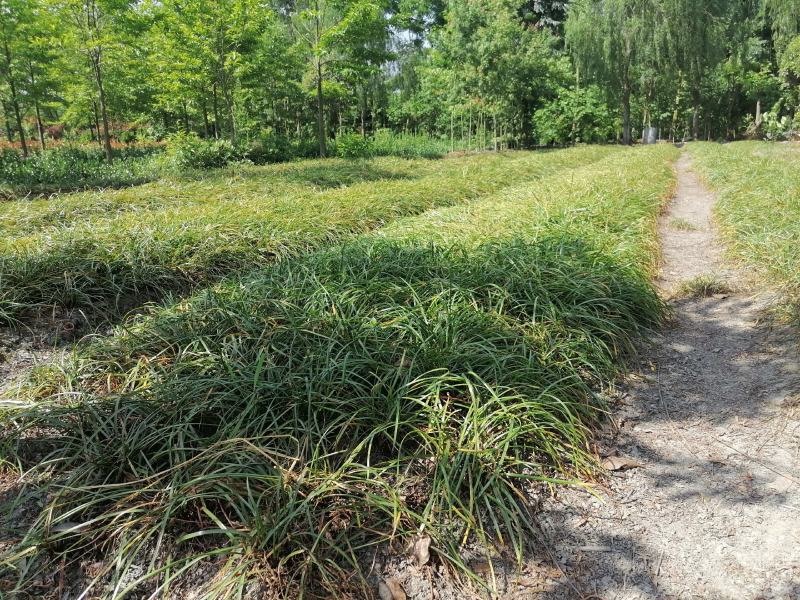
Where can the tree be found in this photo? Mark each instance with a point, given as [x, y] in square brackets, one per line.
[693, 34]
[610, 40]
[337, 35]
[14, 15]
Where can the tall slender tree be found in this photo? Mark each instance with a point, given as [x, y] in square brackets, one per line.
[610, 39]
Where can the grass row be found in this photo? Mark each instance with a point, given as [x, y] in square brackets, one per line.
[281, 425]
[759, 208]
[171, 236]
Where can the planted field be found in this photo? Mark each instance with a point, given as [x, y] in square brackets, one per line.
[759, 208]
[105, 252]
[280, 426]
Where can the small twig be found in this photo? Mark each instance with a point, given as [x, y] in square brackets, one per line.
[658, 569]
[758, 462]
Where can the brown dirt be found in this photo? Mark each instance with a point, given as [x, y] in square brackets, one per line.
[714, 418]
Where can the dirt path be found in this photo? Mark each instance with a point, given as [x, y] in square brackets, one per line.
[714, 420]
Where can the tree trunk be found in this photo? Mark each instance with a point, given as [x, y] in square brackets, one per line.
[185, 112]
[626, 114]
[9, 129]
[14, 101]
[39, 125]
[452, 147]
[228, 97]
[206, 128]
[695, 114]
[98, 77]
[320, 114]
[216, 111]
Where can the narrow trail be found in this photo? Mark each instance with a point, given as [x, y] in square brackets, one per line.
[714, 419]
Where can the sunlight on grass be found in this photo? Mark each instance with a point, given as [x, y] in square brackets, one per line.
[107, 253]
[759, 209]
[287, 421]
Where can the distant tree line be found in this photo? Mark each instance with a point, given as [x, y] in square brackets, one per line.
[492, 72]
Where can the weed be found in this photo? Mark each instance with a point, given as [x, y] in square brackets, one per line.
[702, 286]
[682, 224]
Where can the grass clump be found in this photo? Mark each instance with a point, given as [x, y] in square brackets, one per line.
[168, 238]
[387, 143]
[285, 423]
[702, 286]
[682, 224]
[758, 184]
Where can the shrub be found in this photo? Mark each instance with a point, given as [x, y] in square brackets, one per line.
[575, 116]
[353, 145]
[271, 148]
[189, 151]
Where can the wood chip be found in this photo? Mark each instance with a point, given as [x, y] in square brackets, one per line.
[422, 550]
[620, 463]
[390, 589]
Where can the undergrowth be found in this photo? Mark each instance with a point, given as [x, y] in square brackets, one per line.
[279, 426]
[759, 209]
[67, 168]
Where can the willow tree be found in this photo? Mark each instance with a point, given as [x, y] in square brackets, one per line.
[610, 40]
[784, 18]
[693, 35]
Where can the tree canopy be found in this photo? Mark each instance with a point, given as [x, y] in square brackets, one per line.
[489, 72]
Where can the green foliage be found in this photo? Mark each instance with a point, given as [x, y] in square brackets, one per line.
[67, 168]
[580, 115]
[188, 151]
[353, 145]
[386, 143]
[288, 419]
[273, 148]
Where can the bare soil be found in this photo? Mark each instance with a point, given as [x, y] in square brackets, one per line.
[713, 419]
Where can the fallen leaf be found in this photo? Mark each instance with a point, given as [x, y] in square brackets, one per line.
[620, 463]
[481, 567]
[422, 550]
[390, 589]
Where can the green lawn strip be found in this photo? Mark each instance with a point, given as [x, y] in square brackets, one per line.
[108, 265]
[288, 420]
[758, 184]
